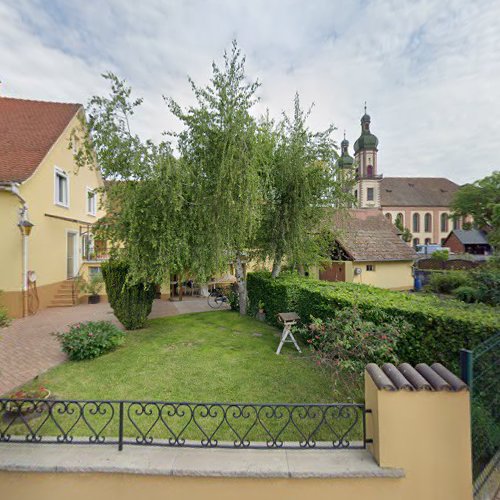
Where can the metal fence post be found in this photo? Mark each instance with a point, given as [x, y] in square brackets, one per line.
[120, 427]
[466, 367]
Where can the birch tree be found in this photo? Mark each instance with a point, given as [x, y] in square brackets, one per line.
[301, 191]
[218, 141]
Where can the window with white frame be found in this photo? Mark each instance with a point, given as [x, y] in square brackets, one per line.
[61, 188]
[91, 201]
[370, 267]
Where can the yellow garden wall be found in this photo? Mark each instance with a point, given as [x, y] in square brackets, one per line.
[425, 434]
[97, 486]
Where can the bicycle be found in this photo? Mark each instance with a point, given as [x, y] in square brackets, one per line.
[216, 298]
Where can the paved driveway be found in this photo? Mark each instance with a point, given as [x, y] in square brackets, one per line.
[27, 348]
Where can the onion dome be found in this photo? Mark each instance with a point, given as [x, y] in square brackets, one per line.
[345, 160]
[366, 140]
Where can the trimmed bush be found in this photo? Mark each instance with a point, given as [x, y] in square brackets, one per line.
[487, 280]
[466, 293]
[90, 340]
[439, 328]
[131, 303]
[447, 281]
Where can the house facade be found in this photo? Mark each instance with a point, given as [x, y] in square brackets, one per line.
[422, 204]
[47, 206]
[369, 251]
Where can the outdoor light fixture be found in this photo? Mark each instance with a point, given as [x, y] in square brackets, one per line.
[25, 227]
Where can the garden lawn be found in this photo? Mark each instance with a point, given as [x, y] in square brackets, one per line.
[203, 357]
[213, 356]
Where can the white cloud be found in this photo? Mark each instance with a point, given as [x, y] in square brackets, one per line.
[430, 71]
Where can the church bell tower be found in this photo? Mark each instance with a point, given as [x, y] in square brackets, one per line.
[367, 190]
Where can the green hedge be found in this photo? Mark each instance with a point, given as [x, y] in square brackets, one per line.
[440, 327]
[131, 303]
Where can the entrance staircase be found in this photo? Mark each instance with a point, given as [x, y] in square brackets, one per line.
[66, 295]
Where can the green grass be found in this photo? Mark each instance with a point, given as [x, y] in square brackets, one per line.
[203, 357]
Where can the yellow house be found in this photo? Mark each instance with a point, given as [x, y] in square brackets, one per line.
[47, 206]
[368, 250]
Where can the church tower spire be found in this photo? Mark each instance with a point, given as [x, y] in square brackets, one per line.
[365, 154]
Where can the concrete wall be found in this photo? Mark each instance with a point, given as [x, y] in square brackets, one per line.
[394, 275]
[47, 244]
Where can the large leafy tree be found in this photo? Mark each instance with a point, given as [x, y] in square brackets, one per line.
[219, 144]
[481, 200]
[145, 189]
[301, 191]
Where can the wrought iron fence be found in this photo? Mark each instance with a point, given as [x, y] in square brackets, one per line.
[480, 369]
[155, 423]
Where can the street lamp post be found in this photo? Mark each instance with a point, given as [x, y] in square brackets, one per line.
[25, 227]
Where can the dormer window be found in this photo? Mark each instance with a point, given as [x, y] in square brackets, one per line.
[61, 188]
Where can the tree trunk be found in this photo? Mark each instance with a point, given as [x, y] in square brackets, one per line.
[276, 267]
[242, 284]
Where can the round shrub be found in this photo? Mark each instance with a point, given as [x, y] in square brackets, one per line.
[447, 281]
[466, 293]
[90, 339]
[130, 303]
[487, 279]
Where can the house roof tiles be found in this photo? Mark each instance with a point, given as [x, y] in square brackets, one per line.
[366, 235]
[28, 129]
[421, 378]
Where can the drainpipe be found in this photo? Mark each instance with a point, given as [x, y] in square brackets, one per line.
[13, 187]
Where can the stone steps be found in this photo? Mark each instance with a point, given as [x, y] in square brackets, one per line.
[64, 297]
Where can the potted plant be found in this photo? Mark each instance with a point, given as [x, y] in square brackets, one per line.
[92, 287]
[25, 407]
[261, 315]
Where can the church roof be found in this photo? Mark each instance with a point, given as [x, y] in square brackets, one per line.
[416, 191]
[28, 129]
[366, 235]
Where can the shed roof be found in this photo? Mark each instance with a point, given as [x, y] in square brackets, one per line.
[416, 191]
[366, 235]
[470, 236]
[28, 129]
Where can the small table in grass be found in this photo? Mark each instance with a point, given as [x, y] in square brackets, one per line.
[288, 319]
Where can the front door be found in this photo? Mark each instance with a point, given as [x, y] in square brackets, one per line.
[71, 249]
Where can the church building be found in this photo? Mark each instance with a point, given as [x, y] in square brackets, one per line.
[422, 204]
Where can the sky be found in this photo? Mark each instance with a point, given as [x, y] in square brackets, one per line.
[428, 69]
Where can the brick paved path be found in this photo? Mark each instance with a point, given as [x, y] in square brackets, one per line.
[27, 348]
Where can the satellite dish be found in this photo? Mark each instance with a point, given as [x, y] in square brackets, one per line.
[357, 270]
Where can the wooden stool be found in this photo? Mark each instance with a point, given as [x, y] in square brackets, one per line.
[288, 319]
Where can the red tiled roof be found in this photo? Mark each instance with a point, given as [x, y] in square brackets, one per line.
[366, 235]
[28, 129]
